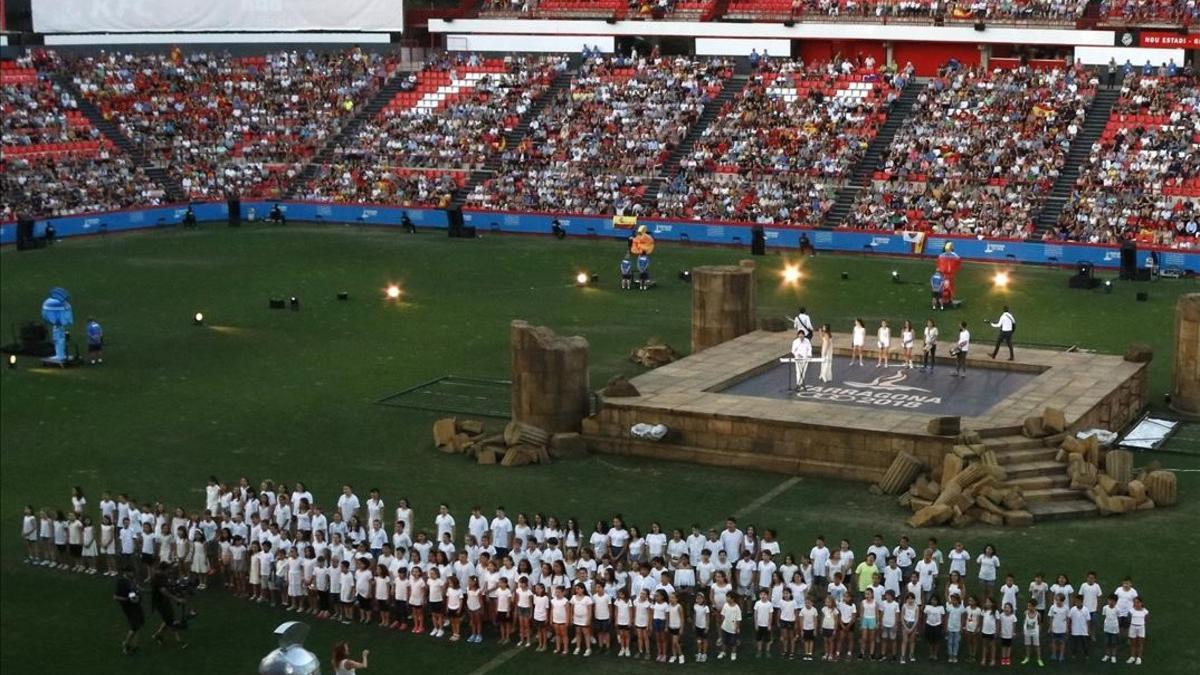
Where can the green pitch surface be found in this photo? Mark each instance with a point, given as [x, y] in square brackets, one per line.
[289, 396]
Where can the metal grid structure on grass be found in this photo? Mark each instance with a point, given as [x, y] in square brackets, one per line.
[456, 394]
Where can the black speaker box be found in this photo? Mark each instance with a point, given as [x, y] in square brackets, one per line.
[25, 238]
[235, 212]
[980, 26]
[1129, 261]
[758, 241]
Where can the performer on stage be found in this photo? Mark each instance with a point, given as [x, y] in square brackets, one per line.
[802, 353]
[643, 266]
[642, 246]
[935, 286]
[858, 341]
[930, 346]
[1007, 323]
[826, 375]
[885, 344]
[803, 322]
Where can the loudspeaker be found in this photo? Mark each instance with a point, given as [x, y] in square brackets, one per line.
[1085, 269]
[235, 212]
[789, 24]
[25, 239]
[1083, 277]
[456, 229]
[758, 240]
[1129, 261]
[980, 26]
[1143, 296]
[610, 20]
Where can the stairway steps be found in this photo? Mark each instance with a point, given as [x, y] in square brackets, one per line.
[729, 92]
[1041, 482]
[1013, 442]
[1061, 509]
[1054, 494]
[1034, 468]
[1007, 458]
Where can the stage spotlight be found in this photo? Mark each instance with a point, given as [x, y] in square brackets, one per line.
[581, 279]
[393, 292]
[845, 276]
[198, 319]
[895, 276]
[295, 303]
[1000, 280]
[685, 276]
[343, 295]
[12, 360]
[791, 274]
[1108, 285]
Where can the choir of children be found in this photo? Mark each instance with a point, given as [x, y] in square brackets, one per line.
[541, 581]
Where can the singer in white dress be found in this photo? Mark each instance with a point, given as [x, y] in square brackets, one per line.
[858, 341]
[826, 354]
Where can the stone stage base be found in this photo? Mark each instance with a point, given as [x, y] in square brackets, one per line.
[728, 406]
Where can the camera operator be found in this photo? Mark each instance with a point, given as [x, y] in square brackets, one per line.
[129, 599]
[277, 215]
[165, 594]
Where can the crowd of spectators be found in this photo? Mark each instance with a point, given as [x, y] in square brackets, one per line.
[781, 149]
[978, 154]
[452, 115]
[1030, 11]
[594, 148]
[1151, 12]
[231, 125]
[55, 163]
[1142, 179]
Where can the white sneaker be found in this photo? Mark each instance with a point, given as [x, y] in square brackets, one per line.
[671, 660]
[1131, 660]
[577, 651]
[681, 660]
[588, 652]
[720, 656]
[733, 656]
[1139, 661]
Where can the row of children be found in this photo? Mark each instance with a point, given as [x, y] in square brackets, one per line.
[348, 573]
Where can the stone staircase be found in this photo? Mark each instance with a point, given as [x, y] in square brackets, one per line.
[174, 191]
[1031, 466]
[367, 111]
[1081, 148]
[899, 111]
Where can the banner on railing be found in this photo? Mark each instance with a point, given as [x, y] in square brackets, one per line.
[142, 16]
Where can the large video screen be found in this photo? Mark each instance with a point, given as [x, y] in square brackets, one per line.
[145, 16]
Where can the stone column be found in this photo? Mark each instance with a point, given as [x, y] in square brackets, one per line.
[889, 54]
[985, 55]
[550, 378]
[1185, 395]
[723, 304]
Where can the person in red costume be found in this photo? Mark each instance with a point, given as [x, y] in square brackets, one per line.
[948, 264]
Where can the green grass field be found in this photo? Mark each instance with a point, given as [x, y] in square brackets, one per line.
[288, 395]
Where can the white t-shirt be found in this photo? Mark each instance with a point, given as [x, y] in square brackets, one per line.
[934, 615]
[1080, 619]
[988, 564]
[1058, 618]
[348, 505]
[1008, 625]
[700, 616]
[927, 572]
[954, 617]
[1091, 596]
[808, 618]
[819, 555]
[730, 616]
[541, 605]
[763, 610]
[558, 610]
[1137, 617]
[502, 529]
[581, 610]
[889, 610]
[444, 523]
[477, 526]
[1125, 600]
[732, 543]
[958, 561]
[602, 607]
[1112, 620]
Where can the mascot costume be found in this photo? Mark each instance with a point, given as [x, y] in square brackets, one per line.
[948, 264]
[642, 246]
[56, 311]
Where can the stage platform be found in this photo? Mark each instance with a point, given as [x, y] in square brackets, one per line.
[729, 405]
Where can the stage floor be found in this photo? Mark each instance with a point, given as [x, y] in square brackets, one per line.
[935, 392]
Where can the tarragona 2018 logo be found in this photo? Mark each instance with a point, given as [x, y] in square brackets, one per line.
[885, 391]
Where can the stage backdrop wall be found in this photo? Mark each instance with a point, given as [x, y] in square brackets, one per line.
[729, 234]
[123, 16]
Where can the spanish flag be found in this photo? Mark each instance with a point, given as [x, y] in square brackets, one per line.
[624, 222]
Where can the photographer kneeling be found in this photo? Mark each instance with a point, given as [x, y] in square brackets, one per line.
[166, 594]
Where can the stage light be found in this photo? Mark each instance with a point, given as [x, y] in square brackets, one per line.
[1108, 285]
[581, 279]
[845, 276]
[295, 303]
[12, 360]
[896, 276]
[393, 292]
[198, 318]
[343, 295]
[791, 274]
[685, 276]
[1000, 280]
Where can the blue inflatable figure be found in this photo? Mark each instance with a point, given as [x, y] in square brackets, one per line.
[56, 311]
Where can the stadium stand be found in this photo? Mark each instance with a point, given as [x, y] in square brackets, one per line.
[949, 170]
[231, 125]
[445, 121]
[596, 146]
[780, 150]
[1150, 13]
[55, 162]
[916, 11]
[1142, 178]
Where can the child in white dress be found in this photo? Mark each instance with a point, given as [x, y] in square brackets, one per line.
[858, 341]
[826, 354]
[885, 343]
